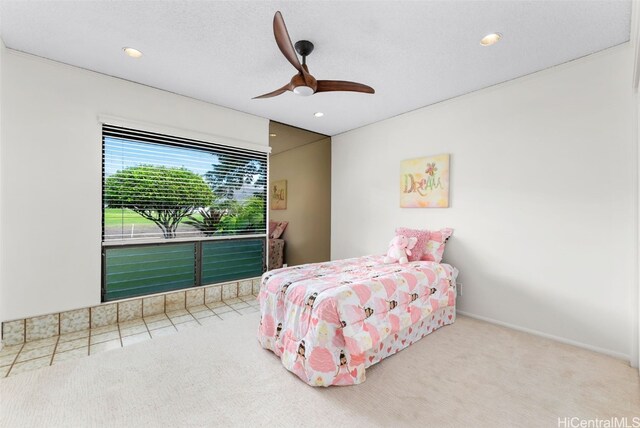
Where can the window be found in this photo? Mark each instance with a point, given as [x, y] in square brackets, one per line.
[179, 213]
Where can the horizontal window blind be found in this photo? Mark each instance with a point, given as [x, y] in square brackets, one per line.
[160, 187]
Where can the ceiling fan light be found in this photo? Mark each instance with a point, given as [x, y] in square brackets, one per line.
[304, 91]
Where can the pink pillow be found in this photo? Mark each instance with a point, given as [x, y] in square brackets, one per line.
[272, 227]
[278, 230]
[434, 249]
[422, 236]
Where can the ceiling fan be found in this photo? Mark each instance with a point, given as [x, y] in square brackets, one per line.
[304, 83]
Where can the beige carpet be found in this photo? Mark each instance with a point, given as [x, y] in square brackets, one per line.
[468, 374]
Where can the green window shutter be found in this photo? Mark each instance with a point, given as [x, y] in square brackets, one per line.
[230, 260]
[140, 270]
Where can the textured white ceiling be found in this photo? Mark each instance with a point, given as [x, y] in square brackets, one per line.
[413, 53]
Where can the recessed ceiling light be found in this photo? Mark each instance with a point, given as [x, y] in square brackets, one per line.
[273, 135]
[318, 114]
[490, 39]
[132, 52]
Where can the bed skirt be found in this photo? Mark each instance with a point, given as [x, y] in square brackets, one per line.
[410, 335]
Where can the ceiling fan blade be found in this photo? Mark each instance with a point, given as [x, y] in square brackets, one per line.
[342, 85]
[275, 93]
[284, 43]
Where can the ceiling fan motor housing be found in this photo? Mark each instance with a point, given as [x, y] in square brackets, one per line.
[304, 48]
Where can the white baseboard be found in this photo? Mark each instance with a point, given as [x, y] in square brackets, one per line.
[614, 354]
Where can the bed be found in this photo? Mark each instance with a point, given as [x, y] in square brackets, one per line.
[329, 321]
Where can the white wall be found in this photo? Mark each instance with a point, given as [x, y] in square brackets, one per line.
[635, 44]
[50, 173]
[542, 197]
[635, 351]
[2, 54]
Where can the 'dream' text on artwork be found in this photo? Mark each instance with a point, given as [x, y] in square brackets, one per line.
[422, 186]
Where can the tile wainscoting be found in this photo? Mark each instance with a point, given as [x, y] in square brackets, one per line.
[46, 326]
[69, 347]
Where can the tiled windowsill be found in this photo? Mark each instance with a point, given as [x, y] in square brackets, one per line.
[35, 354]
[111, 313]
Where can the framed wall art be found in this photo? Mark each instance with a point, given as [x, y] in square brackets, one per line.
[424, 182]
[279, 195]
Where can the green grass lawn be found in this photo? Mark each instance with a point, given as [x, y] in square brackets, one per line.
[118, 217]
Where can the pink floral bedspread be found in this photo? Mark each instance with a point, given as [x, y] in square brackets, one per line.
[327, 321]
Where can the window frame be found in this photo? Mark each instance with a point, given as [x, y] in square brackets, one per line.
[203, 141]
